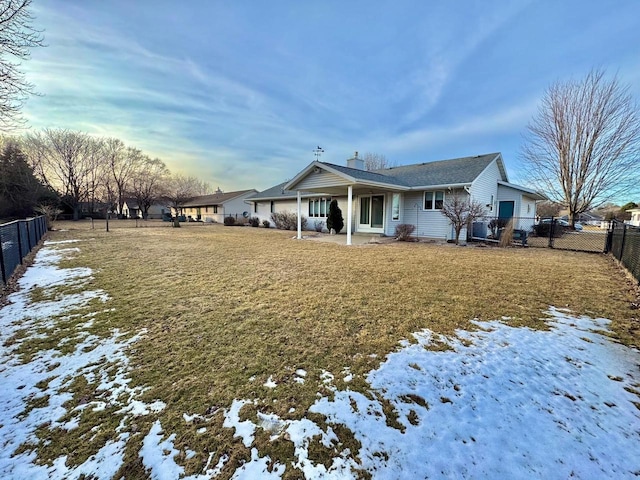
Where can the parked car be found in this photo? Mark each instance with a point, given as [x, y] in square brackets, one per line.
[563, 223]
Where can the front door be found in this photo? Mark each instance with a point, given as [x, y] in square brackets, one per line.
[505, 210]
[371, 213]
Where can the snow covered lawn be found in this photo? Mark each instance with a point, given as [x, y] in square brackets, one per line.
[501, 402]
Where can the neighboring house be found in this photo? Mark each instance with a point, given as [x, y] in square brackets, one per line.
[213, 208]
[635, 217]
[276, 199]
[590, 218]
[377, 201]
[131, 209]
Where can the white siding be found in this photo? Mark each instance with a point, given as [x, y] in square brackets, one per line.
[431, 224]
[264, 208]
[321, 179]
[635, 218]
[236, 205]
[291, 205]
[485, 188]
[157, 211]
[524, 208]
[342, 204]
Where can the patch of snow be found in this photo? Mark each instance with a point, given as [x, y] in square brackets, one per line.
[201, 430]
[215, 471]
[501, 402]
[244, 429]
[190, 418]
[258, 467]
[270, 383]
[158, 455]
[548, 395]
[271, 424]
[49, 373]
[59, 242]
[326, 377]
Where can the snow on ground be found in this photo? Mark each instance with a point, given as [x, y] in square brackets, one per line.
[51, 371]
[503, 402]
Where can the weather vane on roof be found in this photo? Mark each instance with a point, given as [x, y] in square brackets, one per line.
[317, 152]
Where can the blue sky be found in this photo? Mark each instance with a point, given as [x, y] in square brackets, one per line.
[240, 93]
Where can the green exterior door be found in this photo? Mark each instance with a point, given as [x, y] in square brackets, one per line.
[505, 209]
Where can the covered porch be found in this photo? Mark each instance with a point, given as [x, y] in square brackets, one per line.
[368, 210]
[372, 199]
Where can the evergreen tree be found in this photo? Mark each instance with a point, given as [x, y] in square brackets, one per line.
[20, 190]
[335, 220]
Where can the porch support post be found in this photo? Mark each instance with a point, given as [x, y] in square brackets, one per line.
[349, 213]
[299, 216]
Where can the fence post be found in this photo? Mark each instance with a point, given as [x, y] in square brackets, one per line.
[2, 273]
[552, 224]
[624, 234]
[19, 241]
[608, 244]
[26, 224]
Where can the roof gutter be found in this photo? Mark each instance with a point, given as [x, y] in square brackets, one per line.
[446, 185]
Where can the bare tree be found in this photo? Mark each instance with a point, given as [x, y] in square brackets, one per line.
[68, 162]
[376, 161]
[582, 147]
[123, 162]
[180, 190]
[548, 209]
[97, 176]
[461, 210]
[149, 183]
[17, 37]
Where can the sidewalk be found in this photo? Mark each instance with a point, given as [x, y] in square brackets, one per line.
[341, 239]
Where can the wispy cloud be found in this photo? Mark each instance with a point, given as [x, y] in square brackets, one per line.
[240, 94]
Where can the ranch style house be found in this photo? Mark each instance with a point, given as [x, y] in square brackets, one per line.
[377, 201]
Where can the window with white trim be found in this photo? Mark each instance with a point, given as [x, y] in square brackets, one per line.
[395, 206]
[434, 200]
[319, 207]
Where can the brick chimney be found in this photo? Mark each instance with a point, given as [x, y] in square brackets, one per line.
[355, 162]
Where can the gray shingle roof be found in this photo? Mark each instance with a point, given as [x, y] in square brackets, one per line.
[379, 176]
[215, 199]
[276, 192]
[443, 172]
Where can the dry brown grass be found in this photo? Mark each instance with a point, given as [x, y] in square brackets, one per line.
[225, 304]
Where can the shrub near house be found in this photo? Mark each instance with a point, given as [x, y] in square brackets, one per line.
[288, 221]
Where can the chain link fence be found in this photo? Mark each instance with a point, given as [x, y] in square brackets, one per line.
[551, 232]
[17, 239]
[624, 244]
